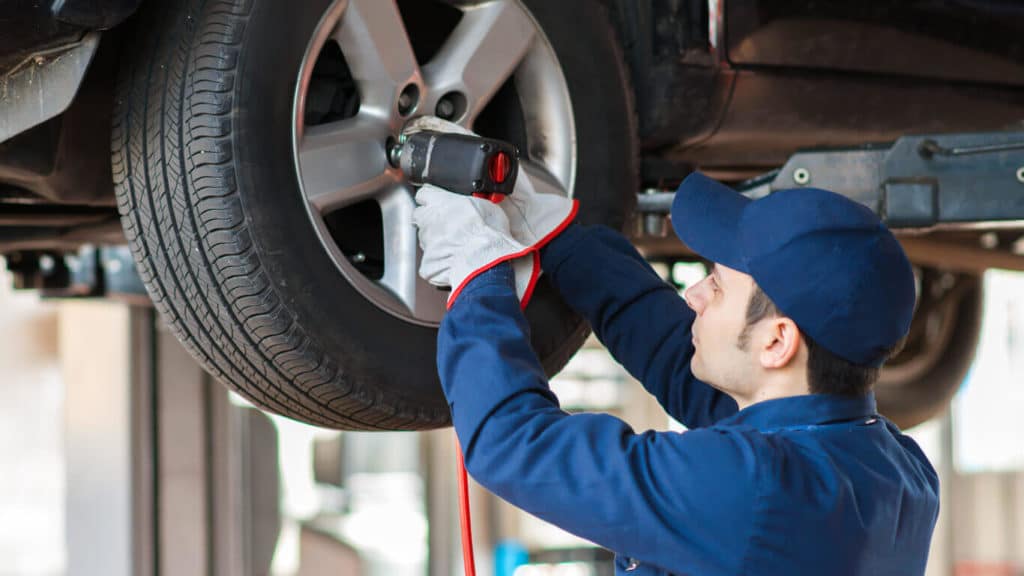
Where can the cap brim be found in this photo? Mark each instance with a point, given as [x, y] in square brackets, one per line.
[706, 216]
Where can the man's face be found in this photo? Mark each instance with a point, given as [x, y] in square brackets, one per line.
[720, 301]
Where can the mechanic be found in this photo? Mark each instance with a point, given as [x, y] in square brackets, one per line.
[769, 362]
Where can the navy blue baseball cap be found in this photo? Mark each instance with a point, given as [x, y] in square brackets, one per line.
[827, 262]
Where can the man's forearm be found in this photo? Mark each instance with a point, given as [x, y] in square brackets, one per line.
[478, 376]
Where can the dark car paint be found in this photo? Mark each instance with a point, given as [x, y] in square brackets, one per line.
[733, 97]
[968, 40]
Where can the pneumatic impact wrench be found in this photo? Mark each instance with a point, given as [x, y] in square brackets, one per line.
[459, 163]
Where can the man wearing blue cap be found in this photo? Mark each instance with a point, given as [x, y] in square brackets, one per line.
[786, 467]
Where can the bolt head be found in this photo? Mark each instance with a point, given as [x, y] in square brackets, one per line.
[445, 109]
[1020, 174]
[989, 240]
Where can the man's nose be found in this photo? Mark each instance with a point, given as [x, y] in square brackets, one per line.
[695, 297]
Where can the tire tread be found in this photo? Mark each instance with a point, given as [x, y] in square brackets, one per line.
[177, 194]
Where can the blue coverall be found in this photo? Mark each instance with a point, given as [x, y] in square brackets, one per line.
[812, 484]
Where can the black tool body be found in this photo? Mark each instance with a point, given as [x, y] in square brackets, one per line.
[463, 164]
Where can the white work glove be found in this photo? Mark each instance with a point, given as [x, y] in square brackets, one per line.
[462, 236]
[537, 210]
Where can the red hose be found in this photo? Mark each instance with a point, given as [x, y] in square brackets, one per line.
[464, 518]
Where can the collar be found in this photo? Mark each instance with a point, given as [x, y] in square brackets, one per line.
[803, 410]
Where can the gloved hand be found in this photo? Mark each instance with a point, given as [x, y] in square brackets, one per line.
[462, 236]
[537, 209]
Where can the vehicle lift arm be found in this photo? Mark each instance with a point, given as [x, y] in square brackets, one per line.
[916, 182]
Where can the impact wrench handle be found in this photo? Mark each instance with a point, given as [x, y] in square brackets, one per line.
[459, 163]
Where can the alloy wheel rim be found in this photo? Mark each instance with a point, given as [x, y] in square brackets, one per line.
[342, 163]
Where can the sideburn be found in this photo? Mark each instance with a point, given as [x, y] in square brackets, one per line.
[759, 308]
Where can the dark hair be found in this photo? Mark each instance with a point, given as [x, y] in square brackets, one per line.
[827, 373]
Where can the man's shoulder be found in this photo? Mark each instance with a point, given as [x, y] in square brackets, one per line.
[916, 456]
[739, 447]
[846, 455]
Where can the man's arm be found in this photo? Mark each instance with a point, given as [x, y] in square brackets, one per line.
[641, 319]
[667, 499]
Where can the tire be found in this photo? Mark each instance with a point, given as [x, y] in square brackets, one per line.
[919, 382]
[210, 199]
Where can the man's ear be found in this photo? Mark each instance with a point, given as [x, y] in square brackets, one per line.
[781, 342]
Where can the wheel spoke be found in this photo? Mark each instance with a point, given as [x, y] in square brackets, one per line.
[481, 53]
[539, 179]
[401, 257]
[376, 47]
[344, 162]
[430, 300]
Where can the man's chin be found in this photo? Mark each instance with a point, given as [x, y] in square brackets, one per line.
[698, 372]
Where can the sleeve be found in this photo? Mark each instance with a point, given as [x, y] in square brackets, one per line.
[656, 497]
[639, 317]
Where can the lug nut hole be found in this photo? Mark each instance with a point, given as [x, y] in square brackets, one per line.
[451, 107]
[408, 100]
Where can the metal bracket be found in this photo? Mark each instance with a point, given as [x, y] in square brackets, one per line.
[43, 85]
[973, 180]
[921, 181]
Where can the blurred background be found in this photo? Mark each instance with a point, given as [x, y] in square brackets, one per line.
[121, 456]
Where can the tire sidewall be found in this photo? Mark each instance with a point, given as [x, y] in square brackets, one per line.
[914, 401]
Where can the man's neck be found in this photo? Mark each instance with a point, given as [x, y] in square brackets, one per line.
[774, 386]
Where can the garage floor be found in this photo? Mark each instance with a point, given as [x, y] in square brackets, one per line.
[123, 457]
